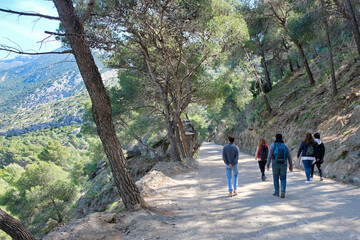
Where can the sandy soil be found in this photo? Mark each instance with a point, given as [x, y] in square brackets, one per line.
[192, 203]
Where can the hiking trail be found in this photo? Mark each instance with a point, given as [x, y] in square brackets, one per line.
[195, 205]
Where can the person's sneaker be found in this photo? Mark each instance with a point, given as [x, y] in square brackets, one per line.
[263, 178]
[282, 195]
[235, 193]
[311, 178]
[230, 194]
[275, 194]
[307, 181]
[321, 179]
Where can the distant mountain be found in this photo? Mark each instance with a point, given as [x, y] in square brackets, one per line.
[41, 92]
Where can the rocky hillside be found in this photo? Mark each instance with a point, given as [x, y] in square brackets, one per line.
[42, 92]
[299, 107]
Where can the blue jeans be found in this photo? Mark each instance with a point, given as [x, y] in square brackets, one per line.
[307, 167]
[229, 172]
[279, 171]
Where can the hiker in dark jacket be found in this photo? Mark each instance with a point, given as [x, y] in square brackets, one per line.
[261, 155]
[309, 154]
[321, 153]
[279, 155]
[230, 156]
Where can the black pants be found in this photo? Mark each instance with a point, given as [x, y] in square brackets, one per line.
[262, 164]
[318, 165]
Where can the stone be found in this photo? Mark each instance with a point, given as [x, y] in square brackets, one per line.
[108, 217]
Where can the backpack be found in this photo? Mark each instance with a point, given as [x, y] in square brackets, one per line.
[310, 150]
[263, 152]
[280, 153]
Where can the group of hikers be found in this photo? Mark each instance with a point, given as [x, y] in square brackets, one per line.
[311, 150]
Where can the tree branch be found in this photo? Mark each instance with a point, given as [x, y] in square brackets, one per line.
[88, 11]
[61, 34]
[14, 50]
[29, 14]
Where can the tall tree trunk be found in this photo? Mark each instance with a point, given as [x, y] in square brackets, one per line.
[174, 151]
[264, 65]
[297, 64]
[308, 71]
[290, 65]
[268, 107]
[184, 139]
[13, 227]
[328, 42]
[179, 141]
[101, 106]
[281, 69]
[353, 23]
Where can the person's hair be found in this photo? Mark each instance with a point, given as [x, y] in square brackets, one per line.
[278, 137]
[261, 142]
[309, 139]
[231, 139]
[317, 135]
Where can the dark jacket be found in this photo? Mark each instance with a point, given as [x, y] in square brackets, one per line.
[230, 154]
[321, 150]
[303, 148]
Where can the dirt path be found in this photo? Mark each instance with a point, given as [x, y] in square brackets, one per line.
[320, 210]
[195, 205]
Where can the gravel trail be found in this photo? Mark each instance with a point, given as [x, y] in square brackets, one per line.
[319, 210]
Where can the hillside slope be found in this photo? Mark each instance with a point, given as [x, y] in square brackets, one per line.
[300, 108]
[42, 92]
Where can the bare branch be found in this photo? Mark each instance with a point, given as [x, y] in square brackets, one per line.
[19, 51]
[61, 34]
[88, 11]
[51, 65]
[30, 14]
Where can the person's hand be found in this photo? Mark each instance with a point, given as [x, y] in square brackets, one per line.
[230, 166]
[267, 168]
[291, 169]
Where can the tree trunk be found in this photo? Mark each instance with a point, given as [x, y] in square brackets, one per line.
[353, 23]
[328, 42]
[308, 71]
[267, 75]
[13, 227]
[179, 142]
[173, 146]
[290, 65]
[184, 139]
[281, 70]
[268, 107]
[101, 106]
[297, 64]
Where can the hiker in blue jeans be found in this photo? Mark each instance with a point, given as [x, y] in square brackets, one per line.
[309, 154]
[279, 155]
[230, 156]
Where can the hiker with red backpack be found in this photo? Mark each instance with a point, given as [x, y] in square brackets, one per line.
[279, 155]
[309, 154]
[261, 155]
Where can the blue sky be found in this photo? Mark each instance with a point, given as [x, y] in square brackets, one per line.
[25, 31]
